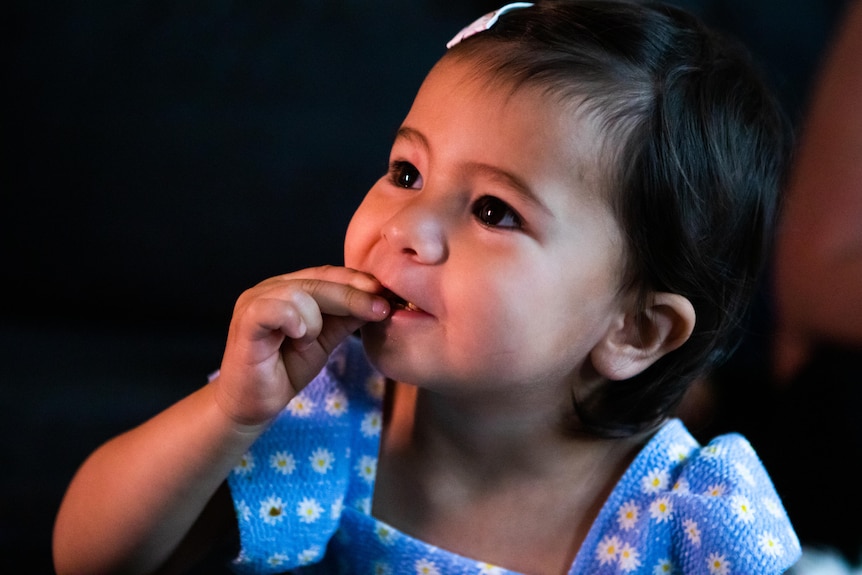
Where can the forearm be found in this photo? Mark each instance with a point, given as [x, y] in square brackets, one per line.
[135, 498]
[133, 502]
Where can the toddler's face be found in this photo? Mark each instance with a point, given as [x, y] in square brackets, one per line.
[492, 233]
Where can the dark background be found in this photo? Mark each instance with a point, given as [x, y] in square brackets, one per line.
[160, 157]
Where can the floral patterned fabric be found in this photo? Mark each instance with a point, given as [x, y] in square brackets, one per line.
[303, 499]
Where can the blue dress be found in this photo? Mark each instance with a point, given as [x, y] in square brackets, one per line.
[303, 499]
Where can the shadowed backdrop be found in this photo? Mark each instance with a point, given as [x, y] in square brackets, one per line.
[160, 157]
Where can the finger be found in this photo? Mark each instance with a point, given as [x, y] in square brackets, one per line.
[336, 274]
[305, 307]
[332, 298]
[346, 300]
[266, 319]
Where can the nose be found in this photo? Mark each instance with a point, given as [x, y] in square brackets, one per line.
[418, 230]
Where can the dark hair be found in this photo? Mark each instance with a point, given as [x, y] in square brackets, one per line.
[694, 156]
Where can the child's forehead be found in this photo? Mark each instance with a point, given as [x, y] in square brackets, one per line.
[466, 83]
[471, 78]
[461, 119]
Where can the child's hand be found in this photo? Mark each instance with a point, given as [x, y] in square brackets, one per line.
[282, 332]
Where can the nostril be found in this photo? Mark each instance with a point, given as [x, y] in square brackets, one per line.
[399, 240]
[418, 233]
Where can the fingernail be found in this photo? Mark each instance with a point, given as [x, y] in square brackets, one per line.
[380, 307]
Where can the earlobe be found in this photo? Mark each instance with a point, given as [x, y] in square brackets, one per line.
[636, 341]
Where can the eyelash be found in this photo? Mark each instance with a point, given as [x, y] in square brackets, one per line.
[489, 210]
[398, 170]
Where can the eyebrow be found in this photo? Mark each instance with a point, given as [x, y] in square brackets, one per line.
[508, 179]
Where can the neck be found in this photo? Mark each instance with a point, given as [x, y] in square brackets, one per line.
[510, 486]
[481, 437]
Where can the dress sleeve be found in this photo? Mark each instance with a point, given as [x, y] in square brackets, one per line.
[689, 510]
[289, 489]
[728, 516]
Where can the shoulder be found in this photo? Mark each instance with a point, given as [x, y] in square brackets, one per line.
[686, 508]
[727, 479]
[728, 462]
[727, 514]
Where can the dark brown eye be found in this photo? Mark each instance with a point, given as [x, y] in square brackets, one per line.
[405, 175]
[494, 212]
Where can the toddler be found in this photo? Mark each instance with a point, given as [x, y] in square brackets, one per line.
[576, 210]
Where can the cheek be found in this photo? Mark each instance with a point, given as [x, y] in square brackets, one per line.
[527, 306]
[361, 231]
[497, 305]
[511, 333]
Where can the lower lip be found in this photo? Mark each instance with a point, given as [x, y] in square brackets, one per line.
[403, 311]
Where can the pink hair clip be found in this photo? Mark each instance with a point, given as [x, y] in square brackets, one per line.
[485, 22]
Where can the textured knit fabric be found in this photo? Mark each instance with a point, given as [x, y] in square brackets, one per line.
[303, 498]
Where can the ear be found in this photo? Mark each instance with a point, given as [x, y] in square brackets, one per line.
[637, 339]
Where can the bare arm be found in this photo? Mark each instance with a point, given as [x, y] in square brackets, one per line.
[136, 497]
[133, 502]
[819, 252]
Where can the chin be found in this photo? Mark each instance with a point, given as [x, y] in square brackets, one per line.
[390, 359]
[381, 351]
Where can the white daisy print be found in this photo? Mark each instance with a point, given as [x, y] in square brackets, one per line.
[692, 531]
[663, 567]
[681, 486]
[742, 507]
[277, 560]
[385, 534]
[364, 505]
[770, 544]
[309, 510]
[426, 567]
[300, 406]
[661, 509]
[608, 549]
[381, 568]
[655, 481]
[371, 423]
[282, 462]
[712, 451]
[336, 404]
[367, 468]
[245, 465]
[715, 490]
[309, 555]
[375, 386]
[772, 506]
[627, 516]
[243, 511]
[628, 558]
[337, 508]
[745, 472]
[272, 510]
[718, 564]
[488, 569]
[321, 460]
[679, 452]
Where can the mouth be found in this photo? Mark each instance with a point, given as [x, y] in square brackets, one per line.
[397, 302]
